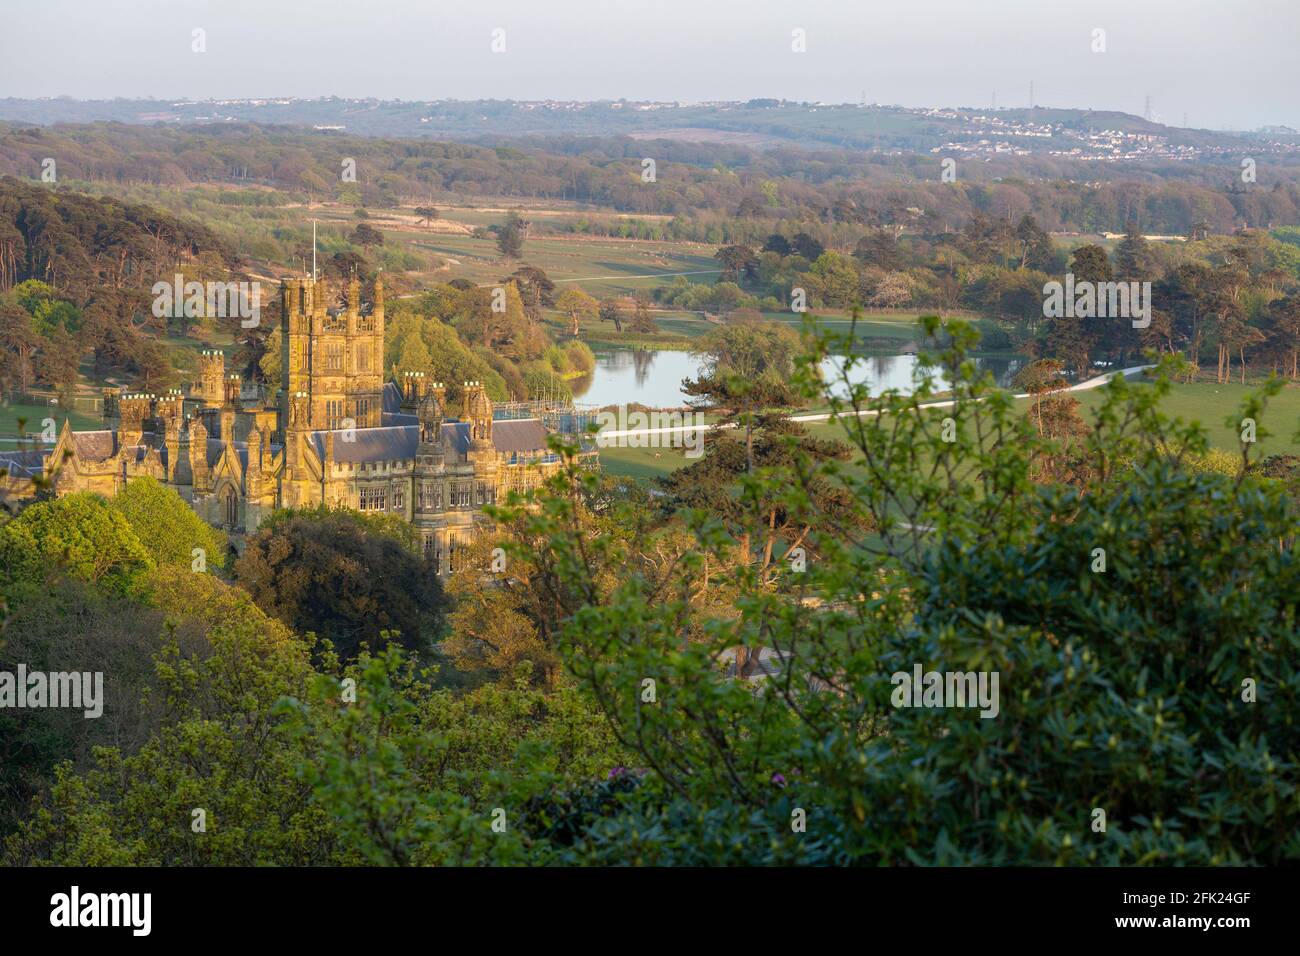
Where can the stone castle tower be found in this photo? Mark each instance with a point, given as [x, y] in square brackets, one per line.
[235, 458]
[335, 359]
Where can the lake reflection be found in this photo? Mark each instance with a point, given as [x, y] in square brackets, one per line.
[654, 377]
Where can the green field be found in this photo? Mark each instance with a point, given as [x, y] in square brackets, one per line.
[33, 415]
[602, 267]
[1211, 405]
[1205, 403]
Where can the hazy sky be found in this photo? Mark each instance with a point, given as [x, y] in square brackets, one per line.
[1223, 63]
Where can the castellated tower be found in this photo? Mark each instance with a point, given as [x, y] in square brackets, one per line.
[112, 414]
[168, 415]
[168, 411]
[335, 358]
[212, 375]
[134, 409]
[478, 412]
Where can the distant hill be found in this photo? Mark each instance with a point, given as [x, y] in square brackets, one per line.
[707, 187]
[766, 122]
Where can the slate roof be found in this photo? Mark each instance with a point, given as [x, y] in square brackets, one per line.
[399, 442]
[393, 443]
[519, 435]
[24, 463]
[392, 397]
[93, 446]
[214, 452]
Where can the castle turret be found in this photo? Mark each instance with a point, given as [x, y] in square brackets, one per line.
[167, 415]
[212, 374]
[111, 411]
[354, 304]
[198, 447]
[431, 414]
[181, 471]
[253, 473]
[478, 412]
[413, 386]
[167, 411]
[297, 431]
[290, 298]
[133, 410]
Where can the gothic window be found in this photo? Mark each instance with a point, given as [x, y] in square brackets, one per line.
[399, 498]
[373, 499]
[334, 358]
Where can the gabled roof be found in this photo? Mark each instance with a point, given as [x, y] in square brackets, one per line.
[216, 446]
[93, 446]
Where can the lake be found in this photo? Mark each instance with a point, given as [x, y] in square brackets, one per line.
[654, 377]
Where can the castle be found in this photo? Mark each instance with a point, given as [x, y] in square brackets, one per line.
[338, 434]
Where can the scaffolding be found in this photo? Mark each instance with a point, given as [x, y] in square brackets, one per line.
[564, 417]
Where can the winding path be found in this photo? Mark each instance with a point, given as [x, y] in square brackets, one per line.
[1090, 384]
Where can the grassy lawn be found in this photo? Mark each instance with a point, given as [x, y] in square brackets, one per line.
[602, 267]
[677, 330]
[33, 415]
[1211, 404]
[896, 327]
[1206, 403]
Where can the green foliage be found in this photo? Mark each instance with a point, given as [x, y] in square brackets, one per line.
[510, 237]
[222, 753]
[417, 343]
[293, 768]
[167, 526]
[1125, 690]
[580, 356]
[80, 534]
[338, 575]
[557, 358]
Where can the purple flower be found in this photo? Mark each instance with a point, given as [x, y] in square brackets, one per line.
[778, 779]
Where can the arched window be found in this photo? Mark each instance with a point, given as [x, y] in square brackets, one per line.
[232, 508]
